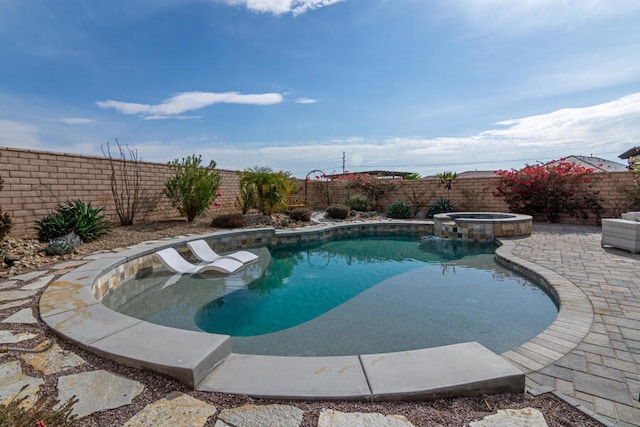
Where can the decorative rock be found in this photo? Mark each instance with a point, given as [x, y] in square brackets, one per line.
[13, 295]
[176, 409]
[97, 391]
[52, 361]
[330, 418]
[23, 316]
[12, 379]
[258, 416]
[527, 417]
[8, 337]
[40, 283]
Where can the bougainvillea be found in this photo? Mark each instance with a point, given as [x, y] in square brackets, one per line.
[373, 187]
[547, 191]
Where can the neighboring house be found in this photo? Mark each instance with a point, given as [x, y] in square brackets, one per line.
[632, 156]
[596, 163]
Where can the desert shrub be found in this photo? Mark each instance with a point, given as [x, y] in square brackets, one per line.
[399, 210]
[77, 216]
[5, 224]
[338, 211]
[300, 214]
[441, 205]
[360, 203]
[547, 191]
[45, 412]
[193, 188]
[5, 219]
[229, 221]
[60, 246]
[125, 182]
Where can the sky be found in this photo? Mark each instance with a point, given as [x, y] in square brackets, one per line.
[301, 85]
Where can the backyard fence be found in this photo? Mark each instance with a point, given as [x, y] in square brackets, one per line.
[35, 182]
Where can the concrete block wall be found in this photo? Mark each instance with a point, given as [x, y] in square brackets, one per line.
[472, 194]
[35, 182]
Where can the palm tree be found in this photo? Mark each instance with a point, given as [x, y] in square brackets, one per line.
[262, 177]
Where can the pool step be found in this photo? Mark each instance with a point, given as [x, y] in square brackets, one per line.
[455, 370]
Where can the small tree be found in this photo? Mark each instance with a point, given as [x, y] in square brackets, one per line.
[125, 182]
[193, 188]
[547, 191]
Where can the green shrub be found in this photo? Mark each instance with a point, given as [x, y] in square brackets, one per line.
[360, 203]
[338, 211]
[88, 223]
[399, 210]
[60, 246]
[54, 225]
[229, 221]
[76, 216]
[300, 214]
[440, 206]
[193, 188]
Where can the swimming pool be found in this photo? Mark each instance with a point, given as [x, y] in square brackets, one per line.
[351, 296]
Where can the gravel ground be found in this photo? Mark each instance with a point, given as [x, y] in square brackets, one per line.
[449, 412]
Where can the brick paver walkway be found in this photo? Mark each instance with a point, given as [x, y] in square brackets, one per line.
[602, 373]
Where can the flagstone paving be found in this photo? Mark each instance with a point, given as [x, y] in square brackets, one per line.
[97, 391]
[330, 418]
[260, 415]
[22, 316]
[12, 381]
[176, 409]
[600, 376]
[527, 417]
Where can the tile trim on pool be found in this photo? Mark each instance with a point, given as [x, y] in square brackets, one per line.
[71, 307]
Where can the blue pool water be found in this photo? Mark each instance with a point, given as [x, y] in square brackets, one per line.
[368, 295]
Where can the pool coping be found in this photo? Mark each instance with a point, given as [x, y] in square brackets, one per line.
[205, 361]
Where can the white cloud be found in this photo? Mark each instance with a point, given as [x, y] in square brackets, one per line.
[76, 120]
[279, 7]
[188, 101]
[18, 134]
[604, 130]
[527, 15]
[305, 101]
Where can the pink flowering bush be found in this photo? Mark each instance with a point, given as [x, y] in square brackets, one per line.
[374, 188]
[547, 191]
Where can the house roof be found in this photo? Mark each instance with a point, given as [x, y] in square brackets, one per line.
[378, 173]
[631, 152]
[596, 163]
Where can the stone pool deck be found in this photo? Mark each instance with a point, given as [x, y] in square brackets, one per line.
[596, 368]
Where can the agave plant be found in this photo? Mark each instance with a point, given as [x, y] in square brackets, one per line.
[76, 216]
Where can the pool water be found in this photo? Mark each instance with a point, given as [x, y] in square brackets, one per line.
[356, 296]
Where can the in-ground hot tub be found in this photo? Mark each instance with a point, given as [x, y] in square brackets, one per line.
[481, 225]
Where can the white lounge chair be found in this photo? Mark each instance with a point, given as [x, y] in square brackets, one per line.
[203, 252]
[177, 264]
